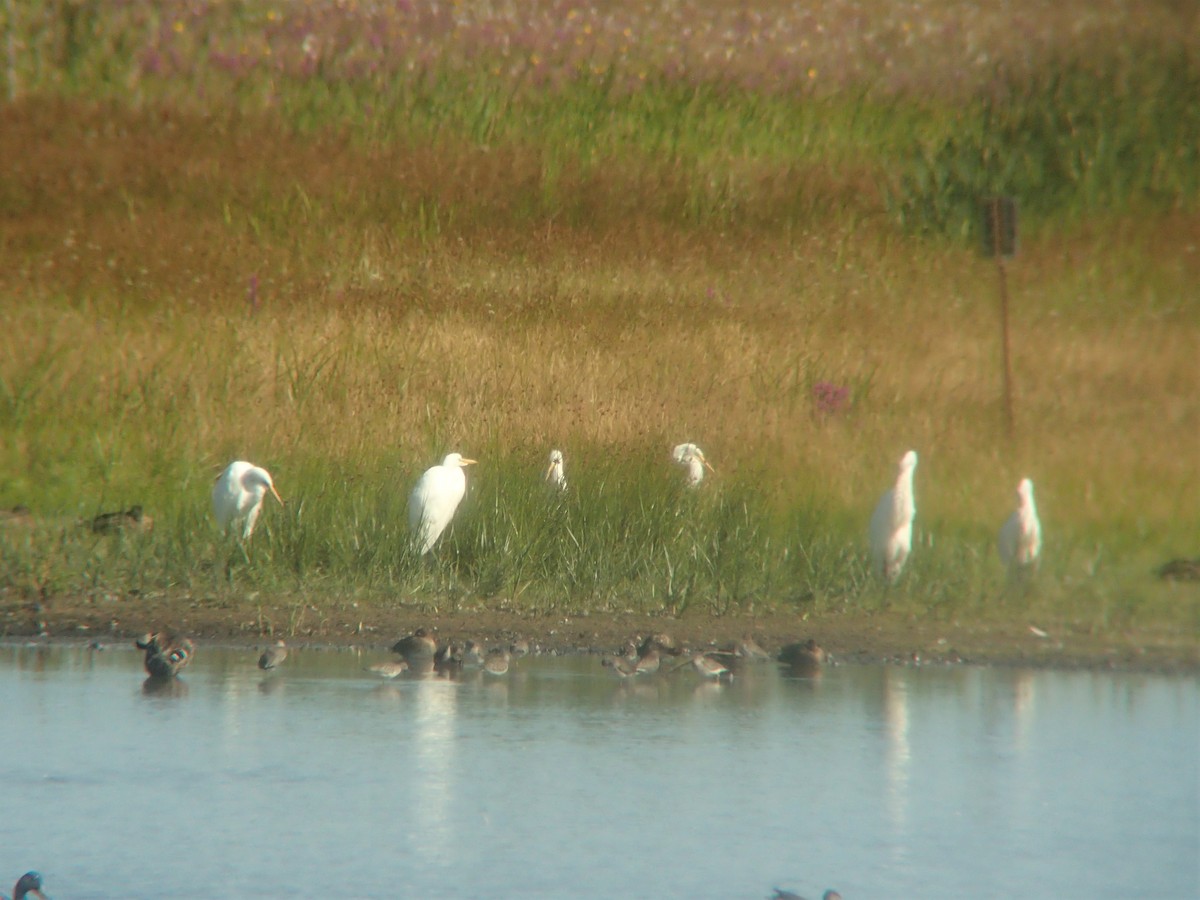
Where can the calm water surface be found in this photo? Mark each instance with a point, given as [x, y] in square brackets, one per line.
[560, 781]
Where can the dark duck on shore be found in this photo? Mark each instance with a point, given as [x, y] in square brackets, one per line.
[27, 884]
[166, 654]
[132, 519]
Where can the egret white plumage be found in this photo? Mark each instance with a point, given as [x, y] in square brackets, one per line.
[433, 501]
[555, 476]
[892, 521]
[1020, 541]
[237, 496]
[693, 457]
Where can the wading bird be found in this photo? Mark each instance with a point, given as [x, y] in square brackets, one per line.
[892, 521]
[29, 883]
[693, 457]
[389, 669]
[273, 656]
[1020, 541]
[555, 476]
[238, 493]
[432, 503]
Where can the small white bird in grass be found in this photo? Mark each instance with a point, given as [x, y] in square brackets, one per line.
[693, 457]
[1020, 541]
[555, 476]
[892, 521]
[238, 493]
[432, 503]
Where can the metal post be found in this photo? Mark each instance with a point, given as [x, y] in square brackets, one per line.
[1000, 238]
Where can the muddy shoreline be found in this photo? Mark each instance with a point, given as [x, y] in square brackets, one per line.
[851, 636]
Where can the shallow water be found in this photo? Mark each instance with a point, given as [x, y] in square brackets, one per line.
[559, 780]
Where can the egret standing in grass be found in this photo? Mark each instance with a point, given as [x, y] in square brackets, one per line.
[1020, 541]
[238, 493]
[432, 503]
[892, 521]
[555, 476]
[693, 457]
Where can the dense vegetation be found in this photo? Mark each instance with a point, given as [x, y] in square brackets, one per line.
[342, 239]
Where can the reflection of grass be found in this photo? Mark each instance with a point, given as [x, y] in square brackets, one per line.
[507, 268]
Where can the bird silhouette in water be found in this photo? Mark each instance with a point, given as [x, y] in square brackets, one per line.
[27, 884]
[781, 894]
[273, 656]
[166, 654]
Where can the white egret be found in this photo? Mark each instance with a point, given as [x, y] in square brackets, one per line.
[1020, 541]
[238, 493]
[432, 503]
[555, 476]
[892, 521]
[693, 457]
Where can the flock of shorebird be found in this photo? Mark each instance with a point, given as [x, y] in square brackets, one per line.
[239, 492]
[167, 654]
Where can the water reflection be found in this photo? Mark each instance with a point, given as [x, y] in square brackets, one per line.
[559, 779]
[898, 754]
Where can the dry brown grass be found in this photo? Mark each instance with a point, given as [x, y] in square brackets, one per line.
[129, 241]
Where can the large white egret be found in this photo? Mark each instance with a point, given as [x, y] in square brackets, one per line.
[892, 521]
[693, 457]
[555, 476]
[238, 493]
[1020, 541]
[432, 503]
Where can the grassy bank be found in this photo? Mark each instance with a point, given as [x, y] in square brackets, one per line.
[344, 273]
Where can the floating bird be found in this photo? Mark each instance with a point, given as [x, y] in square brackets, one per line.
[237, 496]
[803, 658]
[273, 656]
[166, 654]
[389, 669]
[781, 894]
[132, 519]
[17, 517]
[555, 476]
[29, 883]
[418, 646]
[891, 523]
[497, 660]
[1020, 541]
[622, 668]
[693, 457]
[432, 503]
